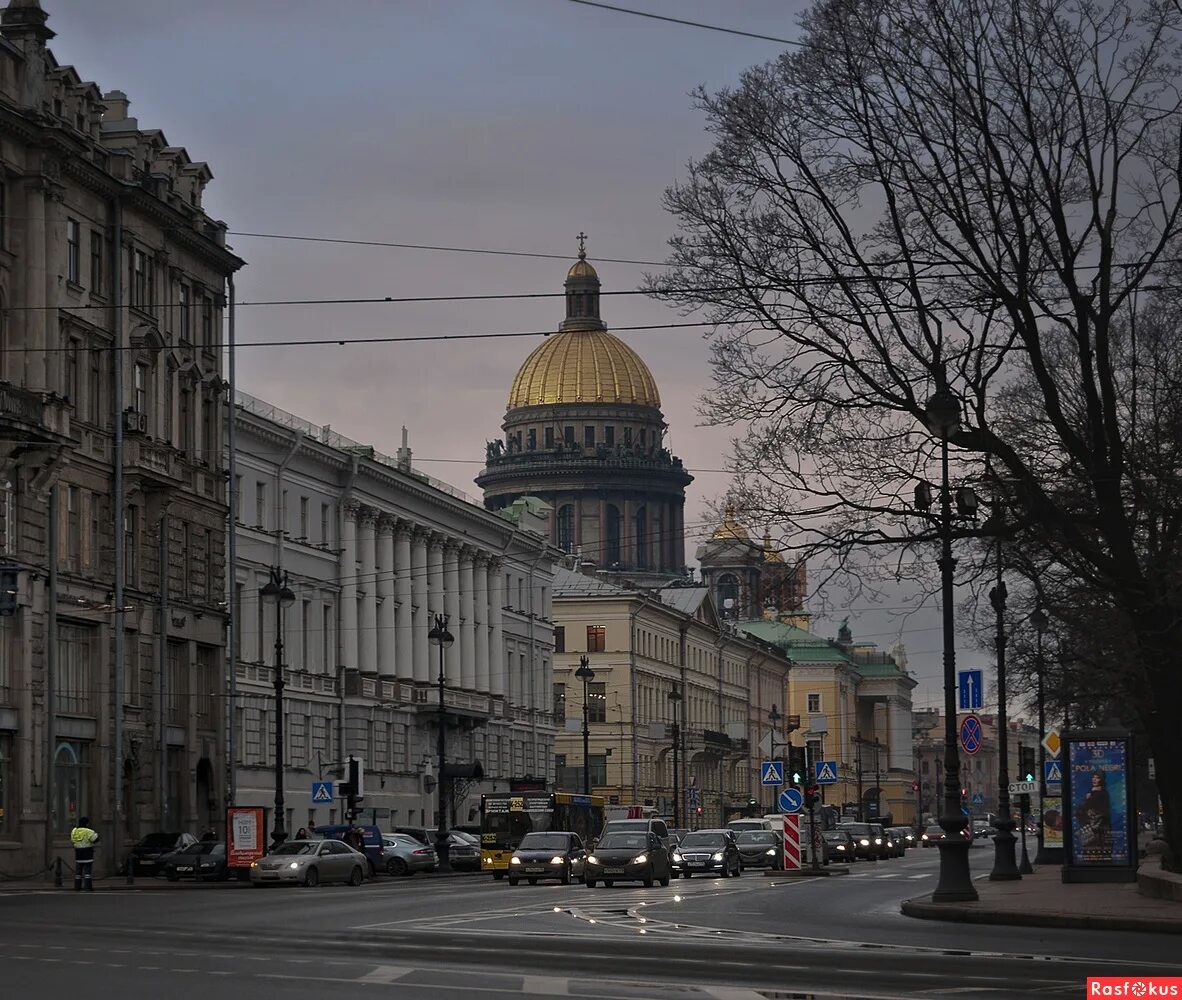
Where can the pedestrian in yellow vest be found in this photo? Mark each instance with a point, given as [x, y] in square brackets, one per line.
[83, 838]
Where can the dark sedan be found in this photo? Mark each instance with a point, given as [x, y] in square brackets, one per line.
[147, 856]
[868, 843]
[842, 848]
[206, 860]
[931, 836]
[628, 857]
[760, 849]
[556, 855]
[706, 852]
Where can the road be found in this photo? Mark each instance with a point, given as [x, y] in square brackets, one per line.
[712, 939]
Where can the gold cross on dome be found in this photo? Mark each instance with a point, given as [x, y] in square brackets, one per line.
[582, 246]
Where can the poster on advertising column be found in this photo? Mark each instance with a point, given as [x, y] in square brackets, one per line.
[1097, 807]
[245, 836]
[1052, 821]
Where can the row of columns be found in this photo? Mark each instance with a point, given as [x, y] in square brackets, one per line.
[395, 577]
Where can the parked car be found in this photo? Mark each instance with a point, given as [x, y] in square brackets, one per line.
[931, 836]
[371, 836]
[841, 845]
[206, 860]
[404, 855]
[705, 852]
[146, 858]
[310, 862]
[463, 851]
[760, 849]
[628, 856]
[555, 854]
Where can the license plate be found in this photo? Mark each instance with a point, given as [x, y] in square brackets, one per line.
[535, 869]
[274, 875]
[613, 871]
[184, 868]
[697, 864]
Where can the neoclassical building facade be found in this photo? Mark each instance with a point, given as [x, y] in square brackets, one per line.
[374, 550]
[583, 430]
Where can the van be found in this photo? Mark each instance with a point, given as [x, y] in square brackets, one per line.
[653, 826]
[372, 836]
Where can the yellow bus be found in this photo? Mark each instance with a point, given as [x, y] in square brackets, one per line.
[506, 817]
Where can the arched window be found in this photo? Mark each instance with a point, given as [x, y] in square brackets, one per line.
[611, 537]
[71, 792]
[566, 528]
[641, 526]
[728, 590]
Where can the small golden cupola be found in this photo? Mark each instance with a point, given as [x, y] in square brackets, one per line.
[731, 528]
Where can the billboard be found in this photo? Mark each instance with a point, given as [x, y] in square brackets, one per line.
[245, 835]
[1099, 791]
[1052, 821]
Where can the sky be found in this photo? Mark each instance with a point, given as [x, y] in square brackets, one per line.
[484, 124]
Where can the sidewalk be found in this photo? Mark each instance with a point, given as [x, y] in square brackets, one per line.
[1043, 900]
[146, 883]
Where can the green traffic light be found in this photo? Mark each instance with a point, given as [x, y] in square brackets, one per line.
[796, 777]
[1029, 776]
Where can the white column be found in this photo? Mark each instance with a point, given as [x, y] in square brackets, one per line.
[348, 577]
[387, 621]
[467, 619]
[899, 754]
[482, 616]
[367, 624]
[451, 600]
[419, 626]
[404, 661]
[496, 601]
[435, 581]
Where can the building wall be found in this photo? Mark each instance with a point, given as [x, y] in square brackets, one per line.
[373, 551]
[129, 733]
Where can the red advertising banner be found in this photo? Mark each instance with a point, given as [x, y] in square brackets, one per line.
[245, 835]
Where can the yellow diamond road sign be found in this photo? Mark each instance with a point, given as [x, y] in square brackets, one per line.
[1052, 742]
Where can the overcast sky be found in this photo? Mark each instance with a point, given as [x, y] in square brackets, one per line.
[498, 124]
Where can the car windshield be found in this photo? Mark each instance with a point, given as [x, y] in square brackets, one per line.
[624, 842]
[756, 837]
[858, 829]
[933, 829]
[544, 842]
[703, 840]
[160, 840]
[620, 825]
[467, 838]
[297, 847]
[207, 847]
[836, 835]
[192, 849]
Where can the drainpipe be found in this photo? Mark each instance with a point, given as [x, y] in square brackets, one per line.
[161, 678]
[234, 632]
[117, 501]
[51, 672]
[632, 616]
[346, 496]
[533, 671]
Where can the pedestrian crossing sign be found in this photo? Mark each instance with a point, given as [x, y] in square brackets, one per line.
[321, 791]
[826, 772]
[772, 772]
[1052, 772]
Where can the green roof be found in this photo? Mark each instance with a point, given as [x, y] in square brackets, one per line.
[801, 645]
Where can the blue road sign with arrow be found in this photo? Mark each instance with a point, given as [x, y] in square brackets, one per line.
[970, 685]
[321, 791]
[1052, 772]
[791, 800]
[771, 772]
[826, 772]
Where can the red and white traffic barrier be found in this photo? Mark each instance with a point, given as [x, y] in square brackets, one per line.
[792, 843]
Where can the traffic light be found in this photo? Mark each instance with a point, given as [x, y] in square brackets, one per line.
[797, 764]
[812, 794]
[752, 807]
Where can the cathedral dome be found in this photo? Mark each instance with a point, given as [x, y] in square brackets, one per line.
[730, 528]
[584, 366]
[582, 268]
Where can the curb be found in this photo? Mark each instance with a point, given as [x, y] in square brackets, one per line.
[148, 884]
[964, 914]
[828, 871]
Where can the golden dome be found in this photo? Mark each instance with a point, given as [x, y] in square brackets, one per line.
[730, 528]
[584, 366]
[770, 555]
[582, 269]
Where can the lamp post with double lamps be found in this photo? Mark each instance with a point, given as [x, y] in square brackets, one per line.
[674, 701]
[773, 721]
[276, 589]
[441, 637]
[1005, 868]
[942, 417]
[586, 675]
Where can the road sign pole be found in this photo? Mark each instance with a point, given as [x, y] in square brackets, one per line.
[813, 838]
[1024, 808]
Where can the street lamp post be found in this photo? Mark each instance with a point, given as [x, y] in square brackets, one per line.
[773, 720]
[675, 700]
[441, 637]
[1005, 868]
[276, 589]
[955, 884]
[1045, 855]
[586, 675]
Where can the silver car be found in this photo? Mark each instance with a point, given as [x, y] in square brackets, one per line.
[310, 862]
[405, 855]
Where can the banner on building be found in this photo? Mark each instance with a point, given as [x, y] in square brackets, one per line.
[245, 835]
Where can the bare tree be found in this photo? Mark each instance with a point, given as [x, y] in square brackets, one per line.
[978, 191]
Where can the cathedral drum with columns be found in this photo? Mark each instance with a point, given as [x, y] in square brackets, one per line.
[584, 431]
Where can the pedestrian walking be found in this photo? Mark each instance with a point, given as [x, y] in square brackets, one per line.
[301, 834]
[83, 838]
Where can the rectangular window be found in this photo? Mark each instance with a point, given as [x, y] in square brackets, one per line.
[643, 436]
[303, 519]
[71, 784]
[184, 305]
[596, 638]
[96, 262]
[94, 531]
[597, 769]
[627, 437]
[186, 419]
[325, 524]
[260, 505]
[73, 536]
[73, 365]
[74, 669]
[7, 786]
[177, 696]
[260, 629]
[140, 399]
[589, 436]
[238, 499]
[549, 438]
[609, 436]
[305, 627]
[139, 279]
[73, 251]
[568, 435]
[208, 686]
[94, 388]
[597, 702]
[814, 703]
[326, 647]
[6, 678]
[531, 439]
[207, 321]
[560, 638]
[187, 586]
[208, 428]
[559, 703]
[130, 545]
[3, 215]
[132, 659]
[209, 570]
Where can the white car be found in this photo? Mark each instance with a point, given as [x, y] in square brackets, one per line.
[310, 862]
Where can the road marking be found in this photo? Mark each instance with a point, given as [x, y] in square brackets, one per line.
[924, 875]
[386, 974]
[546, 985]
[731, 993]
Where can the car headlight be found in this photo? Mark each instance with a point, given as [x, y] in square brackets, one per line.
[556, 860]
[864, 843]
[294, 864]
[878, 841]
[677, 857]
[593, 860]
[841, 847]
[254, 864]
[771, 852]
[924, 837]
[717, 857]
[207, 864]
[515, 860]
[640, 859]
